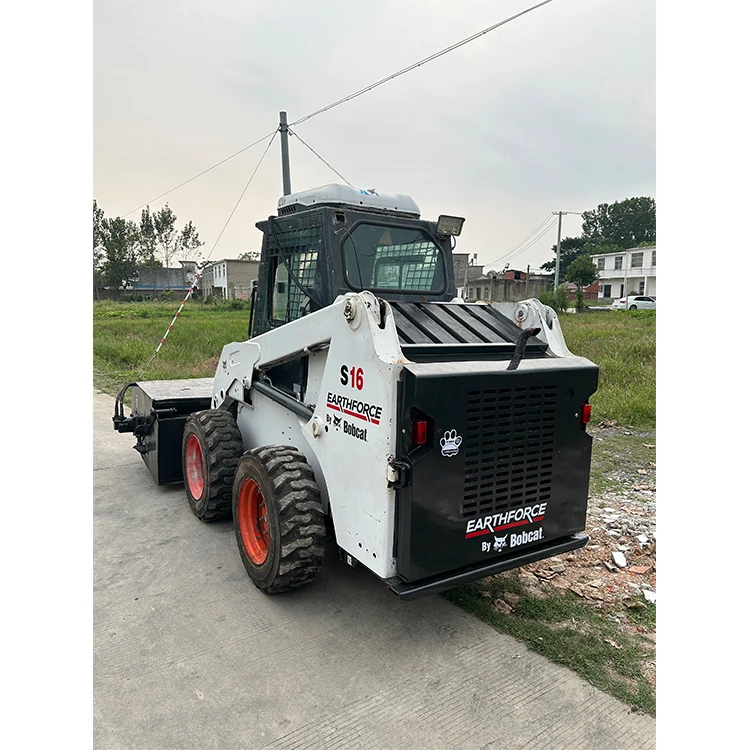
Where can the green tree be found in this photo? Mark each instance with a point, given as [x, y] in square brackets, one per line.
[581, 272]
[570, 249]
[121, 245]
[163, 242]
[99, 254]
[607, 229]
[148, 240]
[625, 223]
[249, 255]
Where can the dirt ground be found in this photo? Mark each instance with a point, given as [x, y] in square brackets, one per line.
[616, 571]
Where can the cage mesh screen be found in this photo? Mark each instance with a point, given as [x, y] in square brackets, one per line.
[304, 265]
[419, 274]
[300, 248]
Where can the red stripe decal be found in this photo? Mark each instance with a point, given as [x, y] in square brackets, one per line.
[537, 518]
[477, 533]
[354, 414]
[511, 525]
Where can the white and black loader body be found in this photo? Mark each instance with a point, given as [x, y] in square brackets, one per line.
[437, 441]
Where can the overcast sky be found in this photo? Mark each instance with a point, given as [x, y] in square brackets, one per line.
[555, 110]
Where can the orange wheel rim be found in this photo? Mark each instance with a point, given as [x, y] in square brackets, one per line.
[252, 516]
[196, 476]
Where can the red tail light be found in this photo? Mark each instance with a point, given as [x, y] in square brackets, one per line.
[585, 413]
[418, 432]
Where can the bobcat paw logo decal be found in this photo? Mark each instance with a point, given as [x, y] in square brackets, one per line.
[450, 442]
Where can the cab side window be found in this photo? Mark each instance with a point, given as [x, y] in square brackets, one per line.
[280, 297]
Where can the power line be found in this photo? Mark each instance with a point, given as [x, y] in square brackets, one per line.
[524, 241]
[291, 132]
[418, 64]
[354, 96]
[529, 245]
[198, 274]
[242, 194]
[200, 174]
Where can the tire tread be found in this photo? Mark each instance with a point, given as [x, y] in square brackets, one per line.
[301, 516]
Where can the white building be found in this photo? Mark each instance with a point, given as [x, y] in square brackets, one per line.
[230, 278]
[634, 269]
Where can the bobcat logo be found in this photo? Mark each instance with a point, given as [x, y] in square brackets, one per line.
[500, 543]
[337, 422]
[450, 442]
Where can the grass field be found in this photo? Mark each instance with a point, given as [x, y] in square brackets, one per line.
[126, 335]
[622, 343]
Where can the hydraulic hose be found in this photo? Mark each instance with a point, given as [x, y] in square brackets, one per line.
[523, 339]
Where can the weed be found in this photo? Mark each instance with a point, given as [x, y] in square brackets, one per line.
[642, 615]
[616, 461]
[567, 631]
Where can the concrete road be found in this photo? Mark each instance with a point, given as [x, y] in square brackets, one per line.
[189, 654]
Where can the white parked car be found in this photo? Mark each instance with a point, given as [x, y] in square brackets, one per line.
[634, 302]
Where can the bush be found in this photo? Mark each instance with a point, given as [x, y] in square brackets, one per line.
[557, 300]
[547, 298]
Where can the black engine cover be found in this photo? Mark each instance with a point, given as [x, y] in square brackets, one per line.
[506, 466]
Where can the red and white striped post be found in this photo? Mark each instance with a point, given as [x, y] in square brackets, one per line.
[177, 315]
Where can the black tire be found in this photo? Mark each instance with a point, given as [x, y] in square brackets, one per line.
[211, 448]
[279, 521]
[634, 307]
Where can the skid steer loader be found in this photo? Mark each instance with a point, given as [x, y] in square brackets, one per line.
[437, 441]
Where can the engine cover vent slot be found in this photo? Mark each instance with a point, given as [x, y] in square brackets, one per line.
[509, 448]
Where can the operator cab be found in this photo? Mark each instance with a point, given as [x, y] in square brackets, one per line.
[335, 239]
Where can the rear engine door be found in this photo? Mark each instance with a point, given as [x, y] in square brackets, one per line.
[503, 465]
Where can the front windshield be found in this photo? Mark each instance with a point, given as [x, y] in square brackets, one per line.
[384, 258]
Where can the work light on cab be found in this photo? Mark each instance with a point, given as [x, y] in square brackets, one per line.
[449, 226]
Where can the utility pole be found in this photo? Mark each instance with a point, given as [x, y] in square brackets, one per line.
[559, 233]
[285, 175]
[557, 258]
[528, 273]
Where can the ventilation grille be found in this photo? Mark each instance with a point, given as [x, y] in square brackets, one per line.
[509, 448]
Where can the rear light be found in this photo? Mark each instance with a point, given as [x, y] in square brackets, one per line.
[419, 432]
[585, 413]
